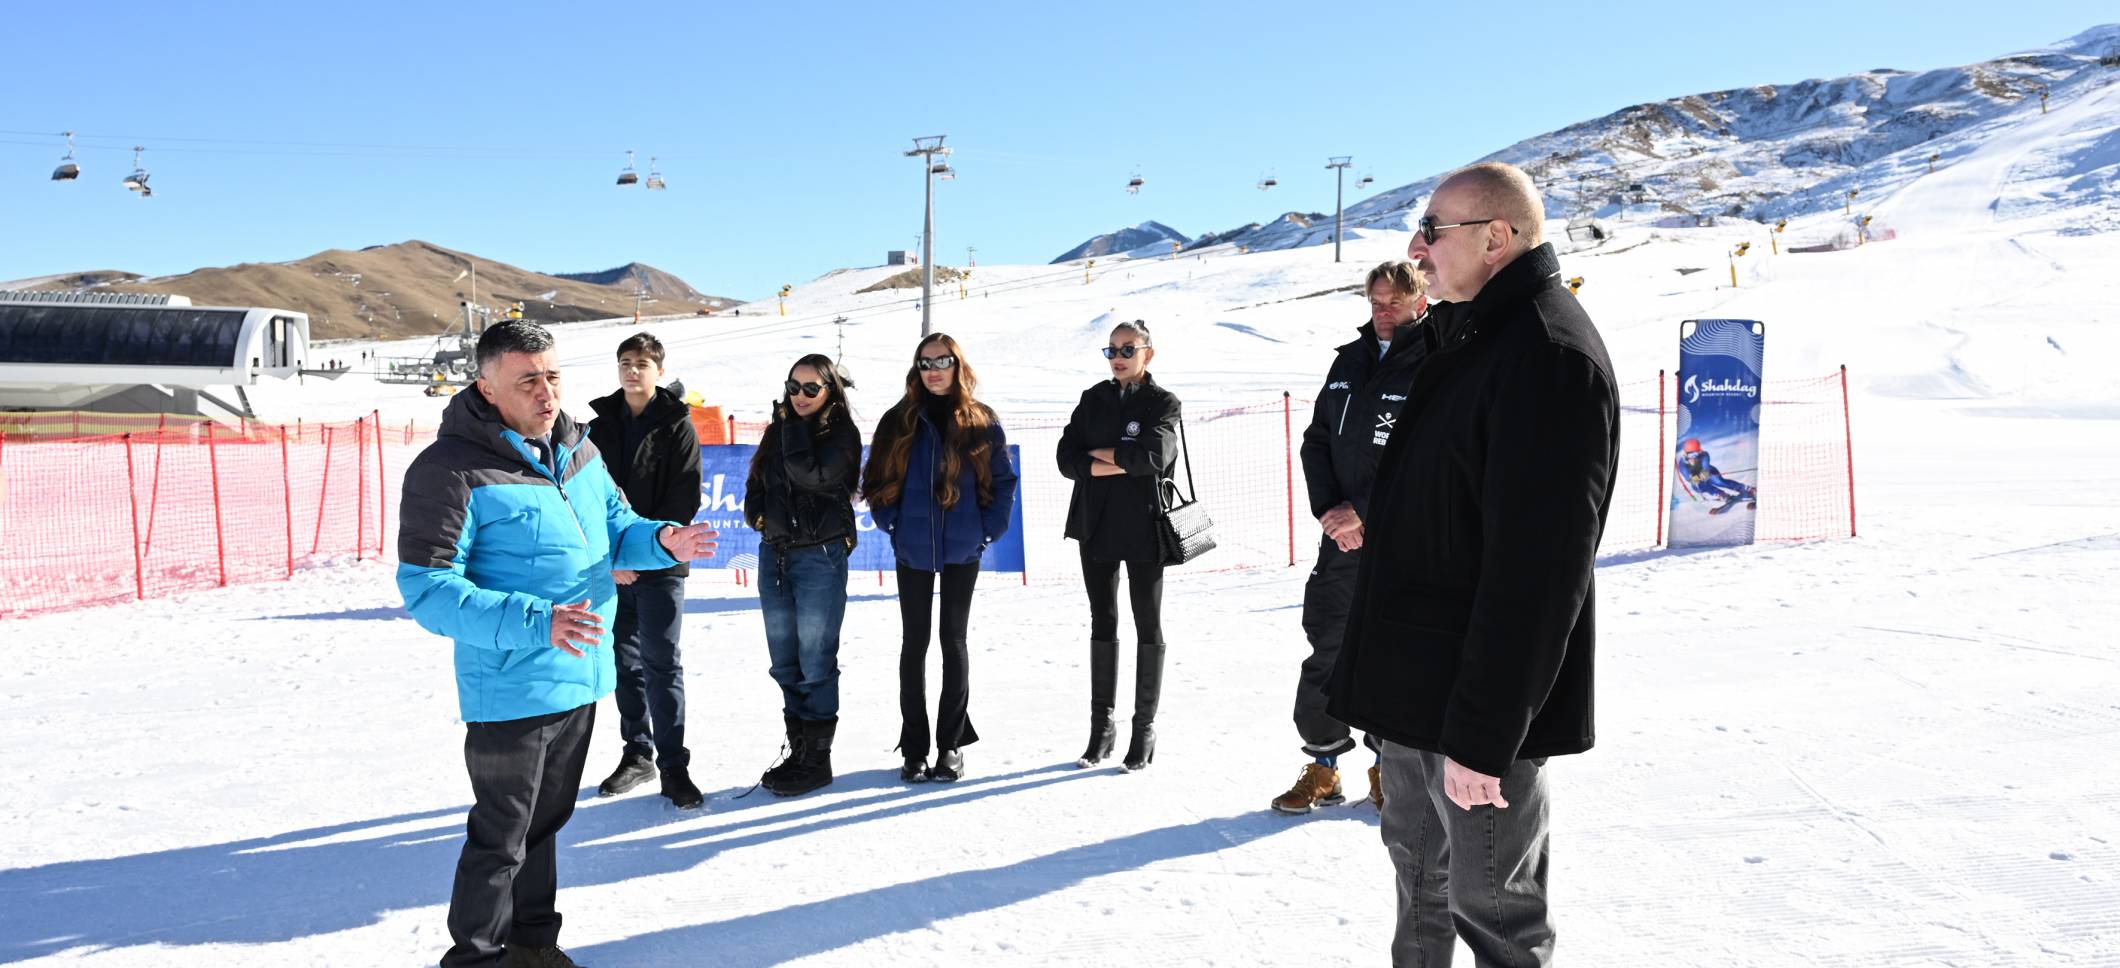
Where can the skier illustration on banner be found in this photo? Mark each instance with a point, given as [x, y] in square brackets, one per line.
[1718, 420]
[1703, 481]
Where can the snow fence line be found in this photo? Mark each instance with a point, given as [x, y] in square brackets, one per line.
[103, 508]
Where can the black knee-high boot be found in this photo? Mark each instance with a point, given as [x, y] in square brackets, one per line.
[1148, 693]
[1103, 694]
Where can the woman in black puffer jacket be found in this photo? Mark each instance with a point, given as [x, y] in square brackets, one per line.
[800, 499]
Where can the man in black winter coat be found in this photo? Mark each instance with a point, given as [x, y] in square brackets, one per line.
[1470, 637]
[1355, 414]
[645, 433]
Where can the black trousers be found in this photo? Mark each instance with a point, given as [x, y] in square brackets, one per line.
[1326, 598]
[916, 602]
[1144, 592]
[651, 672]
[525, 774]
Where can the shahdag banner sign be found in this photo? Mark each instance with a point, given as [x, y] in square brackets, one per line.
[723, 471]
[1714, 496]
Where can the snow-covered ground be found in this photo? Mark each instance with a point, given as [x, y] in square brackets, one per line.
[1895, 750]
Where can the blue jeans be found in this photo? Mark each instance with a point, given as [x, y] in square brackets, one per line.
[803, 593]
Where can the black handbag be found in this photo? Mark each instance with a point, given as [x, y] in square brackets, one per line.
[1182, 526]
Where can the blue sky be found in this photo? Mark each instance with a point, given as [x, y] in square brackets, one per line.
[275, 130]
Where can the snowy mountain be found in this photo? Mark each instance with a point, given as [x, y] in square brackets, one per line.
[1776, 151]
[1145, 235]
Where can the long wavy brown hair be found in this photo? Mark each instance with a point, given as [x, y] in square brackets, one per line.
[968, 438]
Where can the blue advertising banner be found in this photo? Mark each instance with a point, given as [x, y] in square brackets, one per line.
[1716, 463]
[724, 469]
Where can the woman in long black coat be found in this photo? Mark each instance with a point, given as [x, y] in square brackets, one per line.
[1118, 448]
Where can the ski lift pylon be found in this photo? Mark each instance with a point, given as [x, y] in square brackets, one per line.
[137, 181]
[655, 178]
[626, 175]
[67, 170]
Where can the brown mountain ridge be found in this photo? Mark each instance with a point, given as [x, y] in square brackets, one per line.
[411, 288]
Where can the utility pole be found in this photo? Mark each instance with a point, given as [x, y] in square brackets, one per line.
[1338, 164]
[927, 149]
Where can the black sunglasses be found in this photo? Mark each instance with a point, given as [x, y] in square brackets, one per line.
[1127, 351]
[1428, 228]
[806, 389]
[934, 362]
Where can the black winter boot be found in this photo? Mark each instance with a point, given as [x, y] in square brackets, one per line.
[677, 785]
[1103, 693]
[1148, 694]
[634, 769]
[811, 763]
[948, 768]
[779, 771]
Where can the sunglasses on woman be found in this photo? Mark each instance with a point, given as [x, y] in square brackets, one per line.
[806, 389]
[1127, 351]
[935, 362]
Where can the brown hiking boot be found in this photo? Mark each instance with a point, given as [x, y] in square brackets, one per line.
[1319, 785]
[1376, 786]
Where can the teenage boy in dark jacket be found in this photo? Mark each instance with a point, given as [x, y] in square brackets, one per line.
[645, 432]
[1472, 631]
[1356, 411]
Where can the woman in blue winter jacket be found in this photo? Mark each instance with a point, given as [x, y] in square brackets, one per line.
[939, 482]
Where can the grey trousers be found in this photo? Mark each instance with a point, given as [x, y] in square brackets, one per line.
[525, 776]
[1479, 874]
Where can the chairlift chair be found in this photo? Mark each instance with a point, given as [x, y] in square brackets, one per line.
[626, 175]
[1267, 182]
[137, 181]
[942, 170]
[67, 170]
[655, 178]
[1133, 184]
[1365, 181]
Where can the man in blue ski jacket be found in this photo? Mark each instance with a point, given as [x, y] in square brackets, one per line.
[507, 535]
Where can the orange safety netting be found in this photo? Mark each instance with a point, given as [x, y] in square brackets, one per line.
[169, 504]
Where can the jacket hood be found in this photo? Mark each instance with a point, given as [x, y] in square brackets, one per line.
[664, 407]
[470, 418]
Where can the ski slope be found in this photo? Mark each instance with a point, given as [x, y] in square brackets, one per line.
[1888, 751]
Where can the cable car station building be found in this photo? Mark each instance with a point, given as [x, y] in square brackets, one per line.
[128, 353]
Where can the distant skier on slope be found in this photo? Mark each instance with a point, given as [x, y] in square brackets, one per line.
[1702, 480]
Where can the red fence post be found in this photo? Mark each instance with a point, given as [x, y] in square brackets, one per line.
[1847, 430]
[132, 496]
[287, 499]
[1288, 454]
[154, 487]
[360, 488]
[323, 491]
[1662, 457]
[382, 496]
[213, 465]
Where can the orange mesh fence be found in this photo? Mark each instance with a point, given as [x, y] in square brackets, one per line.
[176, 504]
[1806, 460]
[183, 504]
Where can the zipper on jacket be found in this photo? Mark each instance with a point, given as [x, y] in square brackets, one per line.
[935, 518]
[579, 528]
